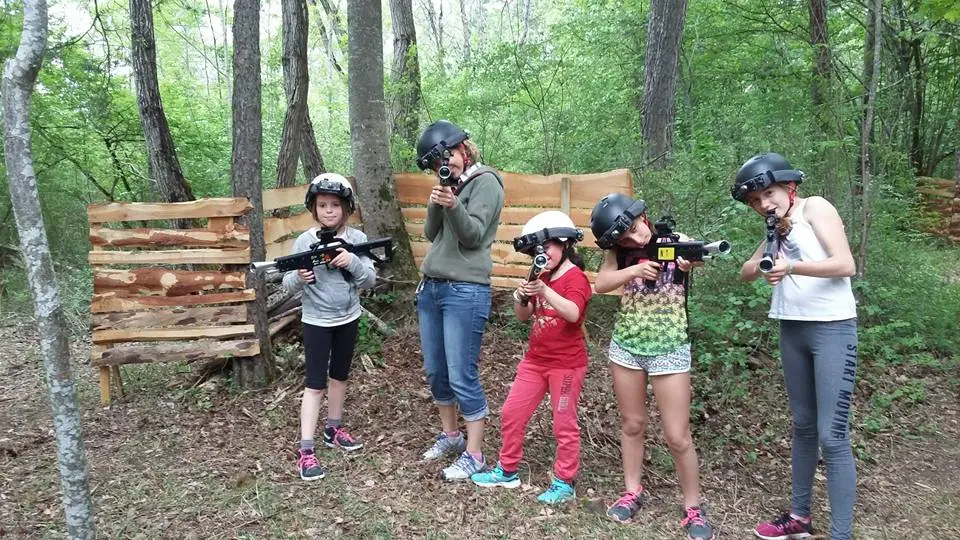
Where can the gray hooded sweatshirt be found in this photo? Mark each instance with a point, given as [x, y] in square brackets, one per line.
[332, 300]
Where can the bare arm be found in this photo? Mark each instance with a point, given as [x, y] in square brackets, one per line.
[828, 227]
[751, 268]
[609, 278]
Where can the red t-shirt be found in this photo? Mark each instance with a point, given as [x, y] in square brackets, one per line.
[553, 340]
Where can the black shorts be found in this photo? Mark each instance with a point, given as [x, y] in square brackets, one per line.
[328, 348]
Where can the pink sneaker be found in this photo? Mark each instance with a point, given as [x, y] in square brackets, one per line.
[337, 437]
[310, 468]
[785, 527]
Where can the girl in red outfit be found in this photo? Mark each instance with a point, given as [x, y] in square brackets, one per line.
[556, 361]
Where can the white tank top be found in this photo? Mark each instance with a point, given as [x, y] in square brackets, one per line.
[805, 298]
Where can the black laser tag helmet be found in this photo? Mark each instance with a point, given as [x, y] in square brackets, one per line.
[437, 138]
[762, 171]
[613, 216]
[331, 184]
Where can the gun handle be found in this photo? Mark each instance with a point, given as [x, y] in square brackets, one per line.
[679, 276]
[525, 301]
[650, 283]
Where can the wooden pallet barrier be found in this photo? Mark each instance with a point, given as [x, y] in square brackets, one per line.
[163, 295]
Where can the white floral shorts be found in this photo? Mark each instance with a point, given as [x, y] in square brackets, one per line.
[677, 361]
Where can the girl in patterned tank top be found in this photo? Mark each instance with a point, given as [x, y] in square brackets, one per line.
[649, 342]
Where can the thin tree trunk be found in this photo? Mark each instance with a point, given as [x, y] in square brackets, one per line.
[525, 22]
[865, 142]
[954, 228]
[163, 164]
[19, 76]
[405, 115]
[821, 91]
[436, 26]
[295, 84]
[246, 158]
[664, 35]
[310, 156]
[369, 137]
[465, 22]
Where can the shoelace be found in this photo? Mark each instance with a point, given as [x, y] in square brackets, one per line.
[786, 520]
[693, 516]
[464, 463]
[309, 461]
[629, 498]
[340, 433]
[556, 486]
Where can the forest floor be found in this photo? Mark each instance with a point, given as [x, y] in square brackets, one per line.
[174, 459]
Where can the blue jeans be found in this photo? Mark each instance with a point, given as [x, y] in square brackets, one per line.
[452, 316]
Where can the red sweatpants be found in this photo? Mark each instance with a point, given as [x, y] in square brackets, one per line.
[530, 385]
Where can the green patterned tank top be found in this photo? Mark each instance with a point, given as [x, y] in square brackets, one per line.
[652, 322]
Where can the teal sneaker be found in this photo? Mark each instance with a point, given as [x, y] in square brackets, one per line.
[559, 492]
[496, 478]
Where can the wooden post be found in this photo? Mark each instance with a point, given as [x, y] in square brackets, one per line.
[104, 385]
[565, 194]
[115, 370]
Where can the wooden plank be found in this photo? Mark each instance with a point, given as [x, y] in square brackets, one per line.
[565, 195]
[221, 224]
[110, 302]
[171, 334]
[530, 189]
[282, 322]
[174, 351]
[165, 282]
[177, 316]
[279, 249]
[104, 385]
[133, 211]
[171, 256]
[276, 228]
[510, 215]
[283, 197]
[235, 237]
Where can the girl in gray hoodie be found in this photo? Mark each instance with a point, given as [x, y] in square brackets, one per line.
[331, 311]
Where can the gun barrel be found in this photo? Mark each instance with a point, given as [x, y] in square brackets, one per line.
[263, 266]
[720, 247]
[766, 264]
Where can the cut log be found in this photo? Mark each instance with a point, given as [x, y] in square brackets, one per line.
[171, 334]
[133, 211]
[103, 236]
[109, 302]
[178, 316]
[186, 351]
[160, 281]
[171, 256]
[282, 322]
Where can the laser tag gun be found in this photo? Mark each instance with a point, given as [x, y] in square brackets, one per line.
[772, 246]
[539, 263]
[444, 172]
[665, 246]
[324, 251]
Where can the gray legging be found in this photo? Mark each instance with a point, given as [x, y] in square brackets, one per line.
[819, 367]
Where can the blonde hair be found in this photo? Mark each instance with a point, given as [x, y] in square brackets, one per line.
[472, 151]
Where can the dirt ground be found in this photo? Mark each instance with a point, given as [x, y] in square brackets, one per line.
[174, 459]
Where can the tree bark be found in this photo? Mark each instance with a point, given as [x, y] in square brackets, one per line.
[369, 138]
[295, 85]
[310, 156]
[954, 229]
[245, 162]
[865, 142]
[406, 74]
[164, 168]
[465, 22]
[664, 35]
[19, 76]
[436, 26]
[820, 91]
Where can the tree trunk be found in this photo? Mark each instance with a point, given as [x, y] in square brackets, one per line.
[406, 75]
[295, 85]
[664, 35]
[525, 22]
[369, 138]
[164, 167]
[19, 76]
[954, 228]
[245, 162]
[865, 142]
[465, 22]
[310, 156]
[436, 26]
[820, 92]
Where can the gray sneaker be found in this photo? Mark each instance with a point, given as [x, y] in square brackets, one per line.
[464, 467]
[444, 446]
